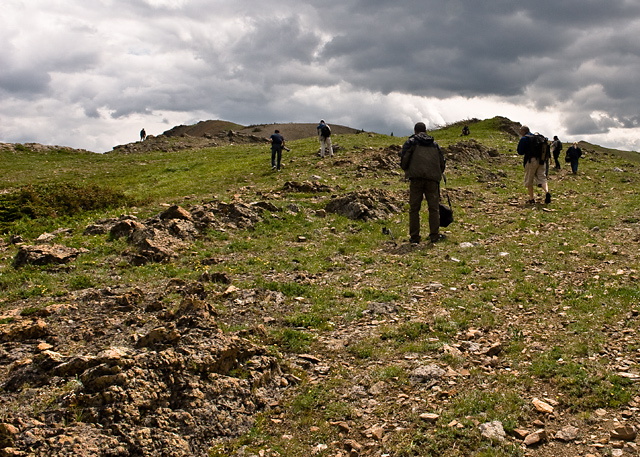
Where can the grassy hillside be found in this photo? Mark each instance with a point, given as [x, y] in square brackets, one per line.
[517, 303]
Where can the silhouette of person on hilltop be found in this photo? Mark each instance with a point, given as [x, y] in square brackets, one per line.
[143, 135]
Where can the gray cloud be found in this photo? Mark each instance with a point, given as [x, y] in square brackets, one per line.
[374, 64]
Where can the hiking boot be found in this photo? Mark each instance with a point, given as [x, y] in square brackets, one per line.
[414, 241]
[531, 202]
[547, 198]
[437, 238]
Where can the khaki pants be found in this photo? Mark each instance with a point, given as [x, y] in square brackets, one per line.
[325, 143]
[430, 191]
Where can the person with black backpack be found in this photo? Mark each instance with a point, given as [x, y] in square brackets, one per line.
[535, 150]
[324, 133]
[556, 147]
[423, 163]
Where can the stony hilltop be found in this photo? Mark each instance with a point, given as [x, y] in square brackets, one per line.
[215, 133]
[285, 314]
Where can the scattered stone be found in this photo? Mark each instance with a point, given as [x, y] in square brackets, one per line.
[568, 433]
[493, 431]
[46, 255]
[451, 350]
[520, 433]
[624, 433]
[364, 205]
[542, 406]
[176, 212]
[426, 374]
[307, 187]
[342, 425]
[377, 432]
[537, 437]
[352, 445]
[378, 388]
[494, 349]
[432, 418]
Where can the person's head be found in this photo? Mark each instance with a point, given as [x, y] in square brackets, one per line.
[524, 130]
[420, 127]
[277, 131]
[555, 137]
[575, 144]
[322, 121]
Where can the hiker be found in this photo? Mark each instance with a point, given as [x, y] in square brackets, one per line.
[534, 171]
[423, 164]
[556, 147]
[143, 135]
[324, 133]
[573, 155]
[277, 143]
[465, 130]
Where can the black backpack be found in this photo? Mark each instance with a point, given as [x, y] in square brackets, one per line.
[325, 131]
[539, 147]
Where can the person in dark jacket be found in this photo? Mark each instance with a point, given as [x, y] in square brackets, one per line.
[573, 155]
[423, 164]
[324, 134]
[556, 147]
[277, 143]
[534, 171]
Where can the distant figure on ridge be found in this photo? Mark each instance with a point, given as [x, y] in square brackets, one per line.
[573, 155]
[277, 143]
[423, 163]
[143, 135]
[324, 133]
[534, 167]
[556, 147]
[465, 130]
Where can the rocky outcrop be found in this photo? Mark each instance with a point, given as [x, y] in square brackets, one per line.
[364, 205]
[172, 384]
[44, 254]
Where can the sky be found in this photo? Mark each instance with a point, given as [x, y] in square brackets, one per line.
[91, 74]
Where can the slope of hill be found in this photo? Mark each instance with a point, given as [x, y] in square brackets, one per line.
[200, 304]
[291, 131]
[219, 133]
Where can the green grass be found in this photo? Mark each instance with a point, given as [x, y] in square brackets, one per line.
[555, 285]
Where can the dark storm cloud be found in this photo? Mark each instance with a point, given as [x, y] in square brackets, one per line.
[378, 64]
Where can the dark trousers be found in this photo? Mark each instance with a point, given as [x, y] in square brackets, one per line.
[574, 166]
[276, 150]
[430, 191]
[556, 157]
